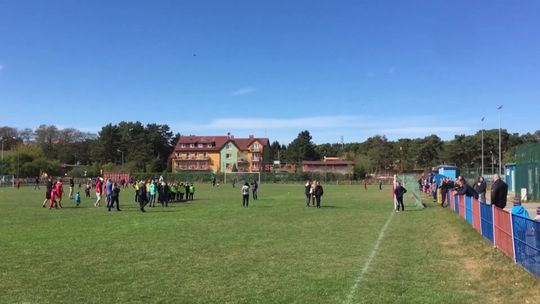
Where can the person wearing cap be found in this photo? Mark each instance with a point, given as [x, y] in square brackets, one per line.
[499, 191]
[520, 227]
[519, 210]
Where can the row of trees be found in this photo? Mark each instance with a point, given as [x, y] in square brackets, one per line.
[377, 153]
[128, 145]
[146, 148]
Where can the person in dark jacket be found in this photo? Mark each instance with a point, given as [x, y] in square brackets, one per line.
[115, 197]
[400, 192]
[319, 191]
[48, 189]
[499, 191]
[254, 188]
[464, 189]
[143, 198]
[480, 187]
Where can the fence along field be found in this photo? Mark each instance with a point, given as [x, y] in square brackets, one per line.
[276, 251]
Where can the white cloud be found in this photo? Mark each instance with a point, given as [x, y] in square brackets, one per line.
[353, 126]
[244, 91]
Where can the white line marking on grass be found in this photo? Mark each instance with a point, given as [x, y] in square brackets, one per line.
[368, 262]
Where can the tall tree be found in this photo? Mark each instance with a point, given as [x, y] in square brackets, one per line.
[300, 149]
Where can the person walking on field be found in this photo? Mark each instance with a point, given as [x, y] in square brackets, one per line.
[318, 193]
[59, 188]
[499, 192]
[143, 198]
[312, 192]
[115, 197]
[307, 191]
[48, 189]
[98, 192]
[400, 192]
[254, 189]
[245, 195]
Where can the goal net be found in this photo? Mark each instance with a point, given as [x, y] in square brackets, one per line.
[241, 177]
[7, 180]
[412, 198]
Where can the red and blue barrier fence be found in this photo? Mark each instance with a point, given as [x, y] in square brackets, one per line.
[516, 236]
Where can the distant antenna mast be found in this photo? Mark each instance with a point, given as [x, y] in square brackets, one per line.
[342, 143]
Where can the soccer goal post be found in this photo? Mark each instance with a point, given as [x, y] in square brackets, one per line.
[413, 197]
[242, 177]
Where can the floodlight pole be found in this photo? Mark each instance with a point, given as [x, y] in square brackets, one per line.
[482, 148]
[2, 168]
[500, 154]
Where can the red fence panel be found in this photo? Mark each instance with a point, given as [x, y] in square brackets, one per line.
[502, 222]
[477, 223]
[461, 205]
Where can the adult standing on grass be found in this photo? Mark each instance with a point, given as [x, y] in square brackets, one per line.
[48, 189]
[480, 187]
[108, 191]
[59, 188]
[319, 191]
[399, 192]
[307, 191]
[115, 197]
[499, 191]
[312, 192]
[143, 199]
[36, 185]
[245, 195]
[71, 186]
[254, 189]
[98, 192]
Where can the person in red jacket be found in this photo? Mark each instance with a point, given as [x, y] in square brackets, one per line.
[98, 192]
[59, 188]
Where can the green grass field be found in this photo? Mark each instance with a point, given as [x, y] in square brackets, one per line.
[212, 250]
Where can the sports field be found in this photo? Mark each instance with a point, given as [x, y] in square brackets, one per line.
[211, 250]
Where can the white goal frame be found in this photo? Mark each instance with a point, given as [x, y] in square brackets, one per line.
[231, 174]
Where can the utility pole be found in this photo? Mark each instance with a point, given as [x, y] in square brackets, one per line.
[500, 150]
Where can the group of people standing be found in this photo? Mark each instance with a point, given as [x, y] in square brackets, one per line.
[313, 191]
[498, 195]
[245, 192]
[152, 190]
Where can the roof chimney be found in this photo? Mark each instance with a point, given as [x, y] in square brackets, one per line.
[251, 136]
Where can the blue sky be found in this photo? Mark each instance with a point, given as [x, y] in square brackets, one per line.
[336, 68]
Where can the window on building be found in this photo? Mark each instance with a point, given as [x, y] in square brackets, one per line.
[205, 155]
[183, 145]
[229, 146]
[196, 155]
[256, 146]
[201, 145]
[209, 146]
[192, 145]
[228, 156]
[188, 155]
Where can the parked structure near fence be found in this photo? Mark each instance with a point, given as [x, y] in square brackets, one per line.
[517, 237]
[528, 170]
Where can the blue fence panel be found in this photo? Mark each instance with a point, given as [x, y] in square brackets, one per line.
[486, 217]
[468, 209]
[456, 200]
[527, 243]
